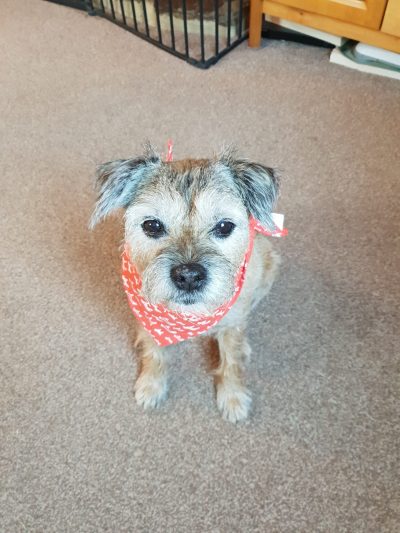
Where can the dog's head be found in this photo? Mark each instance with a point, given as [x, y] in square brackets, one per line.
[187, 222]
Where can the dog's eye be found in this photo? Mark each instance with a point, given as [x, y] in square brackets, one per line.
[153, 228]
[223, 229]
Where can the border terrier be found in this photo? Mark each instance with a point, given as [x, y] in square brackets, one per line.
[195, 258]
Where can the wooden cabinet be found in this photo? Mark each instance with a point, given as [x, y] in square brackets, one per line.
[367, 13]
[375, 22]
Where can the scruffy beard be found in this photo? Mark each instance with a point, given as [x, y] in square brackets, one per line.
[158, 288]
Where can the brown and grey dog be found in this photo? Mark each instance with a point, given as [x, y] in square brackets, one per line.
[187, 231]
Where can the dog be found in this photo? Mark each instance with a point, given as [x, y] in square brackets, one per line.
[188, 237]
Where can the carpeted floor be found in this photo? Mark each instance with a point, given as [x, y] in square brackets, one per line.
[320, 452]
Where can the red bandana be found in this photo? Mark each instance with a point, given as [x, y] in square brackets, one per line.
[170, 327]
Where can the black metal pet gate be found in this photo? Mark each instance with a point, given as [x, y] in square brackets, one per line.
[198, 31]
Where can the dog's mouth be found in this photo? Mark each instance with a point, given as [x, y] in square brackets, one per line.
[188, 298]
[191, 303]
[196, 302]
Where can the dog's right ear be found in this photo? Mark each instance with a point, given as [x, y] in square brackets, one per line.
[118, 181]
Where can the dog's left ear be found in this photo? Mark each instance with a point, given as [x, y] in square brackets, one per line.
[257, 185]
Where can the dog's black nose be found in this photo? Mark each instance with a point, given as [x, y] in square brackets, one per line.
[189, 277]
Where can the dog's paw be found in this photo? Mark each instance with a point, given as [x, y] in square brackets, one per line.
[233, 401]
[150, 392]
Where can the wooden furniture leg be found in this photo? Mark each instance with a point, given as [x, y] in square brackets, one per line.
[255, 23]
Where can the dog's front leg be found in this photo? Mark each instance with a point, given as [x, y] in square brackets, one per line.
[151, 385]
[233, 399]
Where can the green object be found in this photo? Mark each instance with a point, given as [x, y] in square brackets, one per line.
[348, 49]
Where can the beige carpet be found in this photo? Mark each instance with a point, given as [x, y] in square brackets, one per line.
[320, 452]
